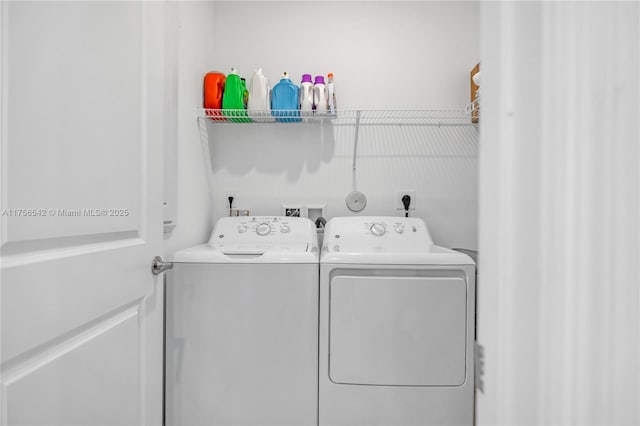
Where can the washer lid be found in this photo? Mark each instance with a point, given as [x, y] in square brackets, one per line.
[248, 253]
[386, 240]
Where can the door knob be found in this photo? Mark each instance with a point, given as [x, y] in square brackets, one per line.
[158, 266]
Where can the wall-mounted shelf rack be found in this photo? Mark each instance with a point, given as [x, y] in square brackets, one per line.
[354, 118]
[342, 118]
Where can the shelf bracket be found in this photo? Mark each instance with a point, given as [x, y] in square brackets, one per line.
[206, 152]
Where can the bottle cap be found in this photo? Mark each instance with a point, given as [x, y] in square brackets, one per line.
[233, 71]
[330, 75]
[319, 79]
[306, 78]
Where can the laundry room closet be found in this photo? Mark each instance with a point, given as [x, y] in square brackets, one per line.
[403, 64]
[130, 296]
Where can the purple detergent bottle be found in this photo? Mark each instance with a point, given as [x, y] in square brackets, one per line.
[306, 94]
[320, 95]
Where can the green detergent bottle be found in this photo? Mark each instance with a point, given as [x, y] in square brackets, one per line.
[233, 99]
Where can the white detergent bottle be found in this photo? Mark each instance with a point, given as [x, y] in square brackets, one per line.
[306, 94]
[258, 105]
[319, 95]
[331, 94]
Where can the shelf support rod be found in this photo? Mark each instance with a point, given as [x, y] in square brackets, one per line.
[355, 147]
[206, 152]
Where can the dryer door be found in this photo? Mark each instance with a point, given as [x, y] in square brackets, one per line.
[398, 330]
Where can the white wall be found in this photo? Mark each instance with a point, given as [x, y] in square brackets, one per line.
[385, 55]
[195, 48]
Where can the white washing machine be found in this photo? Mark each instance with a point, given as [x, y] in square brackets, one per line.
[396, 326]
[242, 326]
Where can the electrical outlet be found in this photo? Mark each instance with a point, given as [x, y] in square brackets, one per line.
[411, 193]
[293, 210]
[238, 212]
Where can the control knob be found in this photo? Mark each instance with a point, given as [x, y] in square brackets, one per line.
[263, 229]
[378, 229]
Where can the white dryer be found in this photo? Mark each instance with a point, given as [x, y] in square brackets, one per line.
[242, 326]
[396, 326]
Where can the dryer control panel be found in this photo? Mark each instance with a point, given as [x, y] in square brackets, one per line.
[381, 227]
[376, 234]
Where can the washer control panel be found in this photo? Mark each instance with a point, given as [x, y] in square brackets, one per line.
[258, 229]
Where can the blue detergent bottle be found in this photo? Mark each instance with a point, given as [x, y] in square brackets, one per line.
[284, 100]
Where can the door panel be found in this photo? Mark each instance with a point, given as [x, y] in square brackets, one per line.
[75, 92]
[105, 362]
[82, 113]
[397, 331]
[67, 294]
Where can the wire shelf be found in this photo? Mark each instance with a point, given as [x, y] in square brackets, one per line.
[452, 117]
[446, 120]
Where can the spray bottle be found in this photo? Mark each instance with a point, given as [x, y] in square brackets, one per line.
[331, 94]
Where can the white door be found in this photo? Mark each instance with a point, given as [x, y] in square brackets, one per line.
[82, 111]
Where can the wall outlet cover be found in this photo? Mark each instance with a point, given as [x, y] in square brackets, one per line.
[238, 212]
